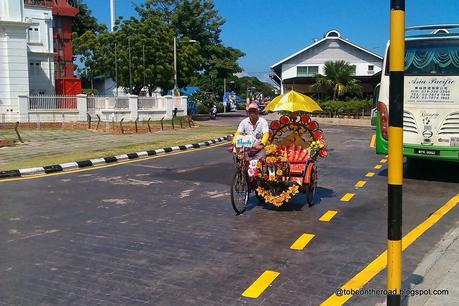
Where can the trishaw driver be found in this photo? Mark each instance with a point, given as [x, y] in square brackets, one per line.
[255, 126]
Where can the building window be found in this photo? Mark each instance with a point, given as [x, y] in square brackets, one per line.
[307, 71]
[34, 34]
[371, 67]
[354, 67]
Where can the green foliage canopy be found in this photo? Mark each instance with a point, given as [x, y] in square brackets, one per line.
[204, 63]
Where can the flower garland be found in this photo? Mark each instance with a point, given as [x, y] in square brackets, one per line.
[278, 200]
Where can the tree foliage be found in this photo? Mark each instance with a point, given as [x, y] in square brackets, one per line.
[204, 63]
[338, 79]
[83, 21]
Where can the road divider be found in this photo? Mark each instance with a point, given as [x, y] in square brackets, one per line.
[326, 217]
[347, 197]
[373, 141]
[360, 184]
[260, 284]
[301, 242]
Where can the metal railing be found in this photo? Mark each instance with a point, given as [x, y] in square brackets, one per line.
[147, 102]
[52, 102]
[121, 103]
[96, 102]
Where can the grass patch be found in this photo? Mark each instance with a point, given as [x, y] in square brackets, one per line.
[181, 137]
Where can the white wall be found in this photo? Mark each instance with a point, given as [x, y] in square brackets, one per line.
[12, 10]
[40, 50]
[14, 76]
[331, 49]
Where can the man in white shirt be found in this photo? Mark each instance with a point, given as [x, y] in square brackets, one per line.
[255, 126]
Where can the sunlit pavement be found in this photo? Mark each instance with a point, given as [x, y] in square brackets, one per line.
[162, 231]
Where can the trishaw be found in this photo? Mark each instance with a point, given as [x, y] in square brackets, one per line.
[290, 162]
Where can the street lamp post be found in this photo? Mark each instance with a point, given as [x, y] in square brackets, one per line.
[175, 60]
[175, 66]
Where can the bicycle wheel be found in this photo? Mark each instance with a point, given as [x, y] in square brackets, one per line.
[239, 192]
[311, 187]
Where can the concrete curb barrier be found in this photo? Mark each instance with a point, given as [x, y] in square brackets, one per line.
[105, 160]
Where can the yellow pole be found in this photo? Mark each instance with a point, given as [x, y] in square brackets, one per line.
[395, 151]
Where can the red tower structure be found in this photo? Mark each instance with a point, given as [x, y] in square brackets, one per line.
[63, 14]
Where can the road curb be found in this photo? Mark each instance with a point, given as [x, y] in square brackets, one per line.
[106, 160]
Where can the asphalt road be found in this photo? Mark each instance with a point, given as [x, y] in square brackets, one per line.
[162, 231]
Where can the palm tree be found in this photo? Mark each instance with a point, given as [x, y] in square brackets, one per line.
[338, 79]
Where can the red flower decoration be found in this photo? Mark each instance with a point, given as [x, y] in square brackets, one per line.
[284, 120]
[275, 125]
[313, 125]
[304, 119]
[316, 135]
[323, 152]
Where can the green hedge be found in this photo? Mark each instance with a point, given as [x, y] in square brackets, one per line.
[351, 107]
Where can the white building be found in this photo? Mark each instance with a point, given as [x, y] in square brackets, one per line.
[40, 49]
[298, 70]
[26, 53]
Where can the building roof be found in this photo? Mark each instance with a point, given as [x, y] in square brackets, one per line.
[332, 34]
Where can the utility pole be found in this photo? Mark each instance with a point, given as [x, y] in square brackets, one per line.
[143, 55]
[395, 151]
[112, 14]
[130, 74]
[175, 66]
[116, 70]
[224, 92]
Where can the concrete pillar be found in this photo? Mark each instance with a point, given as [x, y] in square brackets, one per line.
[185, 105]
[23, 108]
[169, 105]
[82, 105]
[133, 106]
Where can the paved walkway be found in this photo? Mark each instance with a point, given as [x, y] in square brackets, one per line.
[438, 271]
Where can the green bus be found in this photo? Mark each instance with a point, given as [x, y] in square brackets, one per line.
[431, 96]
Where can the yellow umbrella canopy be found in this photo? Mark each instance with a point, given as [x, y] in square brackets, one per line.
[292, 102]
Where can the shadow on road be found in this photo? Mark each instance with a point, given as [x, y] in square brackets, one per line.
[295, 204]
[219, 173]
[430, 170]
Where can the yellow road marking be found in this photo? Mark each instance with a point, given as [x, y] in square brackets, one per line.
[383, 161]
[328, 215]
[262, 282]
[301, 242]
[377, 166]
[370, 174]
[347, 197]
[372, 141]
[360, 184]
[109, 165]
[380, 262]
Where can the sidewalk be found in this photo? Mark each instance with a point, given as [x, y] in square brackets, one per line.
[438, 270]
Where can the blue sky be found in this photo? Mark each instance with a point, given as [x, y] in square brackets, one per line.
[270, 30]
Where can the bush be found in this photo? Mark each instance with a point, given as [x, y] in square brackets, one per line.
[89, 91]
[204, 101]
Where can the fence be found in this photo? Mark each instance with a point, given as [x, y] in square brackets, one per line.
[52, 102]
[147, 103]
[121, 102]
[76, 108]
